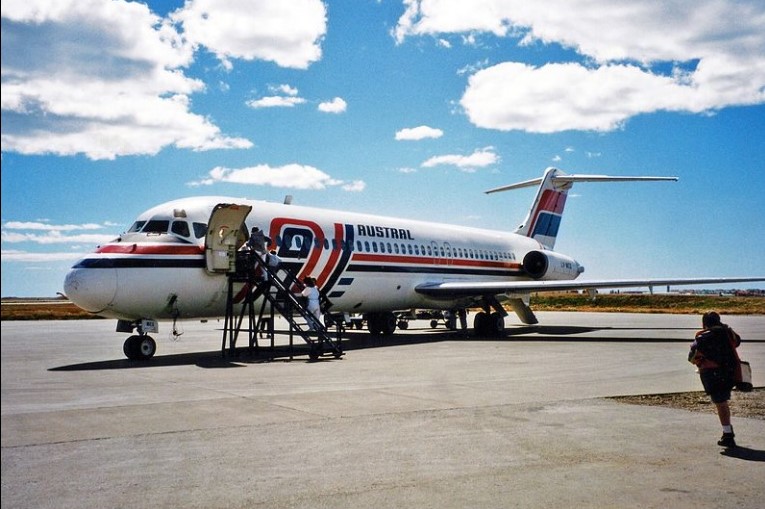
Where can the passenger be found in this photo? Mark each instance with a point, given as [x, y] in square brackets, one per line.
[273, 261]
[311, 293]
[462, 312]
[256, 247]
[258, 241]
[713, 351]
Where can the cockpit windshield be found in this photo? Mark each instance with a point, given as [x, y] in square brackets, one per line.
[179, 227]
[156, 226]
[136, 227]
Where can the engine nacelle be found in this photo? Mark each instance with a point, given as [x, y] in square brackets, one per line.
[550, 265]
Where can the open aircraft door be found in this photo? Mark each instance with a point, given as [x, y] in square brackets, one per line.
[226, 232]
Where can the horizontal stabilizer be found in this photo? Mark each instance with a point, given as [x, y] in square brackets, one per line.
[561, 180]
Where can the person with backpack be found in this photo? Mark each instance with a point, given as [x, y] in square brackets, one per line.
[713, 351]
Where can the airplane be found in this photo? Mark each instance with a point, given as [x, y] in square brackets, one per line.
[172, 263]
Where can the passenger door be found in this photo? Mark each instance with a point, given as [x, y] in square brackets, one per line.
[225, 235]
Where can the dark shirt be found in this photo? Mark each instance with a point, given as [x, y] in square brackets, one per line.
[712, 348]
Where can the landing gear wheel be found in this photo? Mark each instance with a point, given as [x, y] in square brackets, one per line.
[496, 324]
[138, 348]
[373, 324]
[480, 323]
[387, 323]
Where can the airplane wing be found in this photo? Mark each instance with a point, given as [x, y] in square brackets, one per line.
[468, 289]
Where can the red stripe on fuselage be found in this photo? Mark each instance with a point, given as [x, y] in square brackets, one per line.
[429, 261]
[151, 249]
[313, 257]
[333, 256]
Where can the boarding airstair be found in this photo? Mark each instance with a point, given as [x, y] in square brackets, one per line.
[272, 288]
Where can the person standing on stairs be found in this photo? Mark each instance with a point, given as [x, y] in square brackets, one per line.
[311, 293]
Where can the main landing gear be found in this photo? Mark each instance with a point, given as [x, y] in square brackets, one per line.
[489, 324]
[381, 323]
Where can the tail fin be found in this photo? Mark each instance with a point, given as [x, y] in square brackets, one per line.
[543, 220]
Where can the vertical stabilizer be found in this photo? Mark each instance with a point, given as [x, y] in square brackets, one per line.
[543, 219]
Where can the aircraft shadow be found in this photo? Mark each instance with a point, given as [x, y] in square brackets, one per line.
[361, 340]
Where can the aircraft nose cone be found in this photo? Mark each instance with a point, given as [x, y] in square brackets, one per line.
[91, 289]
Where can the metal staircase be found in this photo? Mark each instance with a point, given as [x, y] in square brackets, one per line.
[273, 286]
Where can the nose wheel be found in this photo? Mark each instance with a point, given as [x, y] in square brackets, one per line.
[139, 347]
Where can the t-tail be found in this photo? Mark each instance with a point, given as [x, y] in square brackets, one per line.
[543, 219]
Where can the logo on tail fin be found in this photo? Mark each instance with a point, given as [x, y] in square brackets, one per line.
[543, 220]
[546, 221]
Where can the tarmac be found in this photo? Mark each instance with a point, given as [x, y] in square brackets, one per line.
[422, 419]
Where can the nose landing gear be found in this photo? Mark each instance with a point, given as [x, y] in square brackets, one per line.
[139, 347]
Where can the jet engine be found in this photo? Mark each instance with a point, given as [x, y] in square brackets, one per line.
[550, 265]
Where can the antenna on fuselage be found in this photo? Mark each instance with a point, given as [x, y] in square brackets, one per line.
[288, 199]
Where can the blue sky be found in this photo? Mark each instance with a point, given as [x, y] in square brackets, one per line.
[409, 108]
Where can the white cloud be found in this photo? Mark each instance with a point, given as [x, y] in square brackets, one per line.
[287, 98]
[432, 17]
[99, 78]
[418, 133]
[28, 257]
[293, 176]
[34, 225]
[275, 101]
[715, 52]
[286, 90]
[286, 33]
[336, 105]
[478, 159]
[355, 186]
[559, 97]
[55, 237]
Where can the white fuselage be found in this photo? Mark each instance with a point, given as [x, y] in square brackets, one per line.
[363, 263]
